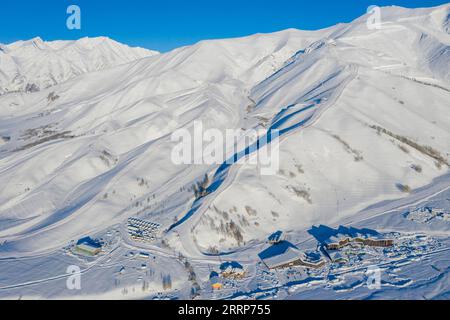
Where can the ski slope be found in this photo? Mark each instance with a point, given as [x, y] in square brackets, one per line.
[86, 127]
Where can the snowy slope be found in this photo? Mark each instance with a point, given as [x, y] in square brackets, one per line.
[36, 64]
[360, 112]
[363, 114]
[127, 114]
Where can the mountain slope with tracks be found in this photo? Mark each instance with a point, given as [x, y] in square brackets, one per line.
[363, 116]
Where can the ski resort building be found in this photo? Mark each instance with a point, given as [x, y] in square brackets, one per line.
[340, 241]
[143, 256]
[215, 281]
[276, 238]
[88, 247]
[143, 231]
[292, 257]
[232, 270]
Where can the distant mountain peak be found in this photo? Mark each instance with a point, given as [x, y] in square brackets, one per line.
[60, 61]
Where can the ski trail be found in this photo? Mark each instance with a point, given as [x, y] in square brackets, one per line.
[224, 176]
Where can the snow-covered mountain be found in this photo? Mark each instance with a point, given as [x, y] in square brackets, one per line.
[374, 106]
[35, 64]
[364, 116]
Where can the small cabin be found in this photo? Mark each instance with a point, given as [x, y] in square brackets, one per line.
[215, 281]
[88, 246]
[276, 237]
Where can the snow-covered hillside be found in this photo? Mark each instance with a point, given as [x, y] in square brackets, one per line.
[377, 105]
[363, 114]
[32, 65]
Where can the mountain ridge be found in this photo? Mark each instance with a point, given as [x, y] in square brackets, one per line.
[59, 61]
[363, 115]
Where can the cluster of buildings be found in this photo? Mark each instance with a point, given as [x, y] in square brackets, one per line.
[228, 270]
[341, 241]
[340, 247]
[232, 270]
[143, 231]
[283, 254]
[337, 248]
[426, 214]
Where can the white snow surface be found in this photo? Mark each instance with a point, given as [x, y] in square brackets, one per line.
[36, 64]
[363, 113]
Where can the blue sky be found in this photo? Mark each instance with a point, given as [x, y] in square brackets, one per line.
[164, 25]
